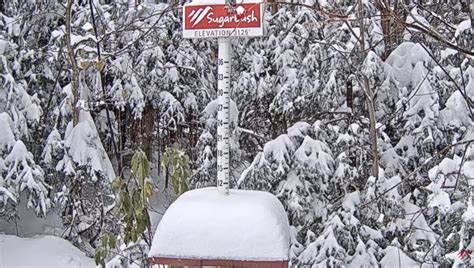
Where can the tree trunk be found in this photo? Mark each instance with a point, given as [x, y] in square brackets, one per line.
[142, 130]
[373, 128]
[349, 95]
[133, 4]
[471, 16]
[148, 126]
[385, 22]
[274, 7]
[370, 101]
[73, 62]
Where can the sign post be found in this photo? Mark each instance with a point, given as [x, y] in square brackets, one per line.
[217, 20]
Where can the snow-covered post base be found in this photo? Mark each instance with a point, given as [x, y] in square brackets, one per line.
[223, 103]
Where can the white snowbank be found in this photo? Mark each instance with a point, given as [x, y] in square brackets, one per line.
[205, 224]
[41, 252]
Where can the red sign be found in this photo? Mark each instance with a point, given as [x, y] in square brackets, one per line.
[216, 20]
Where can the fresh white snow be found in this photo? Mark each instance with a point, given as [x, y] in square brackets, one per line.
[7, 138]
[211, 108]
[3, 46]
[87, 27]
[205, 224]
[41, 252]
[85, 147]
[395, 257]
[464, 25]
[402, 61]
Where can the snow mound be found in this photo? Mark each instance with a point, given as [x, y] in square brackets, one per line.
[41, 252]
[395, 257]
[205, 224]
[402, 61]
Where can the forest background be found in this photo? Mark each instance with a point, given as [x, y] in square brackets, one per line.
[358, 115]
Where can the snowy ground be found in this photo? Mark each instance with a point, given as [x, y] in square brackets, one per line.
[44, 249]
[29, 224]
[41, 252]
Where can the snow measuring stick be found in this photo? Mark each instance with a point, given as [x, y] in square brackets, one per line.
[223, 115]
[215, 19]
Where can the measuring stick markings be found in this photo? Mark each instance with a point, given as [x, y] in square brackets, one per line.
[223, 103]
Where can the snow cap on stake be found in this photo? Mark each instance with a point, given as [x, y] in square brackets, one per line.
[203, 225]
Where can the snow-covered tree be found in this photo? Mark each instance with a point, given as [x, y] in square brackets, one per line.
[20, 111]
